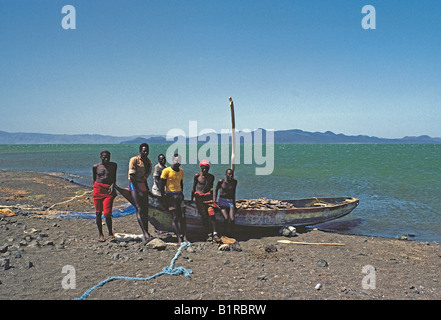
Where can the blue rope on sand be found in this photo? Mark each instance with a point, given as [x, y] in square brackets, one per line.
[166, 270]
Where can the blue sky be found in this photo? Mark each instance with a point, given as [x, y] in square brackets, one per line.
[145, 67]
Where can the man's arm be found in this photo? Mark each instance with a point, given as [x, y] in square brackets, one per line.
[218, 185]
[113, 177]
[133, 181]
[94, 172]
[162, 187]
[163, 179]
[195, 183]
[182, 181]
[210, 183]
[132, 171]
[234, 194]
[149, 169]
[157, 180]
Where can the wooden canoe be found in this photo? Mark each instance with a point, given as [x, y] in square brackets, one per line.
[307, 212]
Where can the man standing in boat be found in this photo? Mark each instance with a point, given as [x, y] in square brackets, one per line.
[104, 179]
[172, 196]
[203, 193]
[140, 168]
[227, 200]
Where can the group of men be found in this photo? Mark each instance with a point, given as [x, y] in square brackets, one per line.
[168, 185]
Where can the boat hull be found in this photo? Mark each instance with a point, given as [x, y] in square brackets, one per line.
[305, 214]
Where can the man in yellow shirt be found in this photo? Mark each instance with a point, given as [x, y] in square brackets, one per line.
[173, 197]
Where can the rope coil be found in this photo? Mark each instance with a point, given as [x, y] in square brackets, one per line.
[171, 270]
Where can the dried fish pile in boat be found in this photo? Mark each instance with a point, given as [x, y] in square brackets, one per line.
[263, 204]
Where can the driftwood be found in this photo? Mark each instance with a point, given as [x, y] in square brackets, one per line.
[312, 243]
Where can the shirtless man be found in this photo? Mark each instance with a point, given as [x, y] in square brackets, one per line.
[172, 196]
[203, 193]
[140, 168]
[104, 179]
[227, 200]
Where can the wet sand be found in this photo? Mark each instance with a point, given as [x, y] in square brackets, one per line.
[35, 249]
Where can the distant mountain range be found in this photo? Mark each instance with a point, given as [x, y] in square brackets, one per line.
[43, 138]
[281, 136]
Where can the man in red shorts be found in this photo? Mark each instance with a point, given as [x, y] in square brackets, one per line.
[104, 179]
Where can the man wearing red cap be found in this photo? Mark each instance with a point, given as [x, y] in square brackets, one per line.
[203, 193]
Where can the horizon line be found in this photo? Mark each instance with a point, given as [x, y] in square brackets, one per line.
[134, 136]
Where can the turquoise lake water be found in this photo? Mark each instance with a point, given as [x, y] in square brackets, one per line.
[398, 184]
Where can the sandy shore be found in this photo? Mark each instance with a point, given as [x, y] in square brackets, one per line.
[37, 253]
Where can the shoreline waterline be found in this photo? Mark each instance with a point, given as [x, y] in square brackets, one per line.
[334, 226]
[397, 184]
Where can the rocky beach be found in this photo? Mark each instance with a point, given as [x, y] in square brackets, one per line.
[43, 257]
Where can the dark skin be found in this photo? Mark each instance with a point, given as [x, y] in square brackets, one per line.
[178, 217]
[203, 182]
[161, 160]
[227, 190]
[105, 172]
[141, 197]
